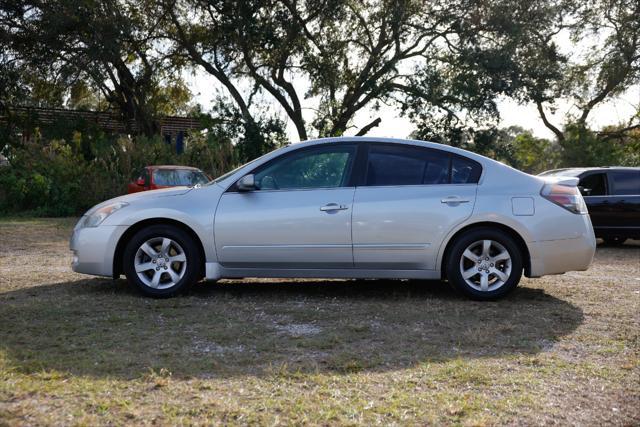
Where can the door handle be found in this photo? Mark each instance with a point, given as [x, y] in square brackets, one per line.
[454, 199]
[333, 207]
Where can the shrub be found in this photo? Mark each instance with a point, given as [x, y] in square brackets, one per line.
[61, 178]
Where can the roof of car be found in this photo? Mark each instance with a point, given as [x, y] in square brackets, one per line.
[372, 139]
[337, 139]
[172, 167]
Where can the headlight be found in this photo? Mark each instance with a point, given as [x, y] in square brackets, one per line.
[95, 218]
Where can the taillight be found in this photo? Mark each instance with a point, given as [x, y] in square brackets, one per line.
[568, 197]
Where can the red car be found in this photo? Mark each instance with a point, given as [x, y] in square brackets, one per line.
[155, 177]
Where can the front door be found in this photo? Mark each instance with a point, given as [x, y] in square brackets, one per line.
[299, 215]
[411, 199]
[594, 188]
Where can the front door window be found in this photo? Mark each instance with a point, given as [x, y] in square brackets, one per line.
[325, 167]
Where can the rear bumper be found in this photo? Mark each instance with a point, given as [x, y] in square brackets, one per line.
[560, 256]
[93, 249]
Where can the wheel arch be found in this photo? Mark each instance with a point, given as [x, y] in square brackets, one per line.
[133, 229]
[522, 245]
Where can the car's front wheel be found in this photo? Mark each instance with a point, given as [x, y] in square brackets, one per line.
[162, 260]
[484, 264]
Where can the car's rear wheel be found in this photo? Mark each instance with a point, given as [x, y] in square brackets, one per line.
[484, 264]
[162, 260]
[614, 241]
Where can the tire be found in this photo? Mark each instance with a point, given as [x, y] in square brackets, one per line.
[502, 275]
[162, 273]
[614, 241]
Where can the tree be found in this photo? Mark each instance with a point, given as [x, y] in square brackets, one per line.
[496, 52]
[350, 54]
[534, 155]
[110, 47]
[604, 61]
[489, 141]
[501, 53]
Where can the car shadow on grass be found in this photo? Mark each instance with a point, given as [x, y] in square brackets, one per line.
[101, 328]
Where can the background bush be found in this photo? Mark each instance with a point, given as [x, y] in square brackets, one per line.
[60, 177]
[62, 171]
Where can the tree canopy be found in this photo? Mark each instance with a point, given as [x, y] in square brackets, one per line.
[444, 64]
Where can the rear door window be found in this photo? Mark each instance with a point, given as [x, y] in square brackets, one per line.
[404, 165]
[392, 165]
[625, 183]
[593, 185]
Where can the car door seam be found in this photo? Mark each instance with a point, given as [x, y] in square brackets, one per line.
[213, 231]
[353, 208]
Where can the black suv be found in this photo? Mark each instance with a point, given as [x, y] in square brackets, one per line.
[612, 195]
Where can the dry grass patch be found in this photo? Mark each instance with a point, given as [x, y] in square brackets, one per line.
[81, 350]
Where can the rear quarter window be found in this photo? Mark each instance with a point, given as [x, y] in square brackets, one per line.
[465, 171]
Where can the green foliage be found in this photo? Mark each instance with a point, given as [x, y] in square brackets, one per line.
[253, 136]
[443, 63]
[90, 54]
[583, 147]
[56, 178]
[518, 147]
[491, 142]
[631, 152]
[32, 181]
[534, 155]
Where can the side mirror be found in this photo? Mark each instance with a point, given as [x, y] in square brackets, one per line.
[140, 182]
[247, 183]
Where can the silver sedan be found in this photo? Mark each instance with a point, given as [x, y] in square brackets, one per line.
[345, 208]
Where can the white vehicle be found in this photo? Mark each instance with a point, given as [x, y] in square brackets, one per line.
[349, 208]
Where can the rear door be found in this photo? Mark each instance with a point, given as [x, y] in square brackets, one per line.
[624, 200]
[410, 199]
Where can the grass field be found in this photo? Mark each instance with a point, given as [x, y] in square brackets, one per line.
[81, 350]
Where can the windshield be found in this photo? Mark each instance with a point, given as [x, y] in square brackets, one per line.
[228, 174]
[176, 177]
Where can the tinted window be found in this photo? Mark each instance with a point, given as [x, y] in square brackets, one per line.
[464, 171]
[625, 182]
[594, 185]
[174, 177]
[403, 165]
[326, 167]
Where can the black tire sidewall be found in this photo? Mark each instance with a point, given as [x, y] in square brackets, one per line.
[462, 242]
[614, 241]
[187, 243]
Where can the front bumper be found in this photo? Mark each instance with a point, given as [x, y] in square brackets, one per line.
[93, 249]
[560, 256]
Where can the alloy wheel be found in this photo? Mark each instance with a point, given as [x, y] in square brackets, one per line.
[160, 263]
[485, 265]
